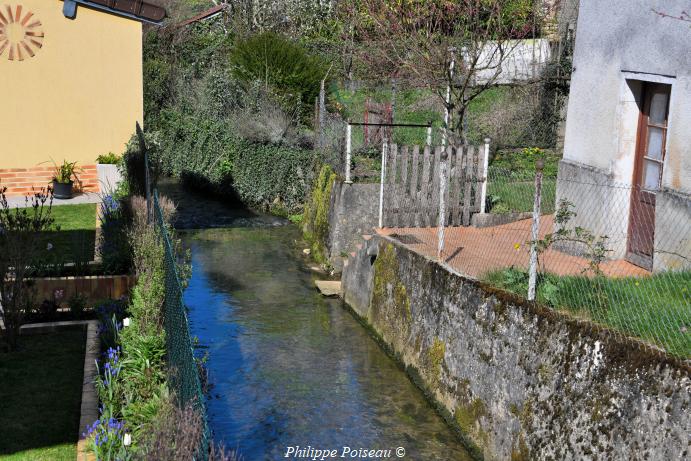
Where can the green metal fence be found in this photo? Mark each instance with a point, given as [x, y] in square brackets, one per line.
[184, 381]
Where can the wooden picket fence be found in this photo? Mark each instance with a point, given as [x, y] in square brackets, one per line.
[412, 185]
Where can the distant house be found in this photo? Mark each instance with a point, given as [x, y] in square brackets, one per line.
[627, 147]
[71, 74]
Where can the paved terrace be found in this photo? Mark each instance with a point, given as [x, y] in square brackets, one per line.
[477, 251]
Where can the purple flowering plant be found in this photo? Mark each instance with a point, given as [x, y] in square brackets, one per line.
[107, 438]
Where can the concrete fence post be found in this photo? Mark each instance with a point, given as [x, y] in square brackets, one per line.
[485, 177]
[535, 231]
[349, 147]
[429, 135]
[442, 203]
[384, 155]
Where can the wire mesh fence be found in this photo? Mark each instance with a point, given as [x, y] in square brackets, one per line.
[184, 371]
[611, 253]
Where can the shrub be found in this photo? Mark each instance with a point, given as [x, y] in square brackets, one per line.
[133, 163]
[20, 246]
[77, 304]
[280, 63]
[108, 159]
[271, 177]
[113, 244]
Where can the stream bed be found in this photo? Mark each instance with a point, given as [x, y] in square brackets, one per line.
[290, 368]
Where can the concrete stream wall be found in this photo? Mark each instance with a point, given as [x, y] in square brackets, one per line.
[520, 381]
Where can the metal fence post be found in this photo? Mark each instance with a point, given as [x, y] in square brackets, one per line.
[485, 172]
[349, 147]
[442, 203]
[532, 280]
[147, 180]
[384, 155]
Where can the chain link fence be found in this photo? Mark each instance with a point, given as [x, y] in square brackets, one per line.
[615, 254]
[183, 366]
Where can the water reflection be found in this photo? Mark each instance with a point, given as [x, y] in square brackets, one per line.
[291, 368]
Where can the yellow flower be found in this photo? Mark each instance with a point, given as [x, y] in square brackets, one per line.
[517, 246]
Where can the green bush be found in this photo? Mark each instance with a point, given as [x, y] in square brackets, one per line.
[280, 63]
[273, 177]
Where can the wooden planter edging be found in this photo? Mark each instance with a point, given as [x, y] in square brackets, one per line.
[89, 409]
[94, 287]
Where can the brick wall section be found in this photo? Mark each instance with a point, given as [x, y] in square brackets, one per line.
[21, 181]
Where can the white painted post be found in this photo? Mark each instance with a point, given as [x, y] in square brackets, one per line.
[485, 172]
[429, 135]
[532, 279]
[442, 205]
[384, 155]
[349, 146]
[447, 114]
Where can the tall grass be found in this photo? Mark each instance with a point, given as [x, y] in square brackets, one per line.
[656, 308]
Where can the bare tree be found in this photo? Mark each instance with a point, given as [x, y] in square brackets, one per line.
[455, 48]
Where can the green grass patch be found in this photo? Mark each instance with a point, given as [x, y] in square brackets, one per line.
[508, 195]
[656, 308]
[75, 241]
[511, 185]
[40, 394]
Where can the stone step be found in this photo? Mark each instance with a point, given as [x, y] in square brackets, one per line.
[329, 287]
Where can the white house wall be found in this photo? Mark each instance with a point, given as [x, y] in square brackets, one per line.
[620, 43]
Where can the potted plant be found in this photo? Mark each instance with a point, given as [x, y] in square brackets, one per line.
[108, 168]
[62, 179]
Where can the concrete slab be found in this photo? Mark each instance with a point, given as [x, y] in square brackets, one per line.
[329, 288]
[87, 197]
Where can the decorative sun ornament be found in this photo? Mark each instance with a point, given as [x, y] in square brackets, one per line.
[21, 34]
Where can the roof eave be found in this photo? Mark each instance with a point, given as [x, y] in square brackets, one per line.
[70, 11]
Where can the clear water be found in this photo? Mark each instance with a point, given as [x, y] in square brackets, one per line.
[290, 368]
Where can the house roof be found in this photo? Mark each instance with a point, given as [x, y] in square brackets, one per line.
[210, 13]
[141, 10]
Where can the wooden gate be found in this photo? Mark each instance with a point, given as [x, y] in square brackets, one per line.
[412, 185]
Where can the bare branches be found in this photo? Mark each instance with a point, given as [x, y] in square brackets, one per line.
[418, 39]
[683, 16]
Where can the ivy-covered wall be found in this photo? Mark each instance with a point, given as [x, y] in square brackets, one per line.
[517, 381]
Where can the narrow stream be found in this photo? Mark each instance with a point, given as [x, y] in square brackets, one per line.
[290, 368]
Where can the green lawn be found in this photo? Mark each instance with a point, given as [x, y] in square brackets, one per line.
[76, 239]
[40, 397]
[514, 195]
[656, 308]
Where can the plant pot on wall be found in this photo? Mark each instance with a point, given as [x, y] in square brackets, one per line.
[63, 190]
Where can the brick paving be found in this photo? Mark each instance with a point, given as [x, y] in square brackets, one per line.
[477, 251]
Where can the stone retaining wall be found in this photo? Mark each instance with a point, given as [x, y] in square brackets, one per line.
[520, 381]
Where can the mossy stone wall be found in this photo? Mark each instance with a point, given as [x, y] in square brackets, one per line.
[519, 382]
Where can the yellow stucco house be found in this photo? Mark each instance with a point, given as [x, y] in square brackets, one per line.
[71, 73]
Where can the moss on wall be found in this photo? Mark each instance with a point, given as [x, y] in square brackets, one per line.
[316, 215]
[435, 356]
[390, 307]
[468, 415]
